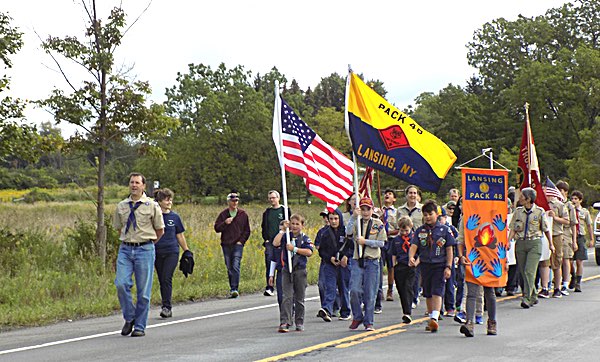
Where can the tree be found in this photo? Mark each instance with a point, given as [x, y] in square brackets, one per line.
[107, 107]
[16, 139]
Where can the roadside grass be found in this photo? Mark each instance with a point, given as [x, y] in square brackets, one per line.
[49, 271]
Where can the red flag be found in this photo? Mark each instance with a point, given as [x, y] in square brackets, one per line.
[327, 173]
[529, 169]
[366, 183]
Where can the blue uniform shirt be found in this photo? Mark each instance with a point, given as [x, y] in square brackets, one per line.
[299, 261]
[399, 247]
[432, 242]
[168, 242]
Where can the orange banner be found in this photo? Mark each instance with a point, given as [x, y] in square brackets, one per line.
[485, 228]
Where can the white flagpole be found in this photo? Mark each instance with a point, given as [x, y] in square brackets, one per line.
[277, 125]
[347, 124]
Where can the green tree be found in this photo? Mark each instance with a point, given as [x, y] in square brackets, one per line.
[17, 140]
[107, 107]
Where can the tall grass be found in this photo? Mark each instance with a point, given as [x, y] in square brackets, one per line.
[49, 271]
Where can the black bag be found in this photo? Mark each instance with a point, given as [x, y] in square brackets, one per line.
[186, 263]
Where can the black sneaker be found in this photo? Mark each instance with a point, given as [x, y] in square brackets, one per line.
[544, 294]
[324, 315]
[137, 333]
[557, 294]
[166, 313]
[524, 305]
[127, 328]
[406, 319]
[577, 288]
[572, 282]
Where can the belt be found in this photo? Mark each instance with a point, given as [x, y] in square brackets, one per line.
[136, 244]
[529, 239]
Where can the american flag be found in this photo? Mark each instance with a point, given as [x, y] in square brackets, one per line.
[552, 190]
[327, 173]
[366, 182]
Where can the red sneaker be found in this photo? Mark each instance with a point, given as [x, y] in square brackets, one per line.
[355, 324]
[433, 325]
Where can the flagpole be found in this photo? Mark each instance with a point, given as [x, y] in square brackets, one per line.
[347, 125]
[277, 117]
[528, 142]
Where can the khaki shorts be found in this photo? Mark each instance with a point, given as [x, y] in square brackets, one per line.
[557, 256]
[567, 247]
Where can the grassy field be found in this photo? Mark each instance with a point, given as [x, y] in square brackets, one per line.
[47, 272]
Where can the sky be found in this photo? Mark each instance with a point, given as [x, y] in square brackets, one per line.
[412, 46]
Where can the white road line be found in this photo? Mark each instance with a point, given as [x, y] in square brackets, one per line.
[99, 335]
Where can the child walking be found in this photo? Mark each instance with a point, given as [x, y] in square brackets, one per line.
[293, 284]
[404, 275]
[433, 242]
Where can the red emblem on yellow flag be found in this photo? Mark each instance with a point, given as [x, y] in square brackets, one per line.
[393, 137]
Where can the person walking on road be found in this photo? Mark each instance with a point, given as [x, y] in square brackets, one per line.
[140, 223]
[271, 219]
[234, 227]
[167, 249]
[526, 227]
[294, 284]
[583, 228]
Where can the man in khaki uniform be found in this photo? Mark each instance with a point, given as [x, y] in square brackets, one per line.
[569, 240]
[388, 216]
[364, 266]
[560, 218]
[140, 221]
[526, 227]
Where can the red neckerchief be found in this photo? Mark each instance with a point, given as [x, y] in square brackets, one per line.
[429, 230]
[406, 242]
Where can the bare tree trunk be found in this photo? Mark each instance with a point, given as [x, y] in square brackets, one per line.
[100, 227]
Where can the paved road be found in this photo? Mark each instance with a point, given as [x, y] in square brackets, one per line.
[245, 329]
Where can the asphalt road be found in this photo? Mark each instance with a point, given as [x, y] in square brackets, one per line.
[246, 329]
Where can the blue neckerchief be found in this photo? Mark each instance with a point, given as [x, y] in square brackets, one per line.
[131, 219]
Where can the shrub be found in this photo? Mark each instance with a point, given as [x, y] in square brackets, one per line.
[37, 195]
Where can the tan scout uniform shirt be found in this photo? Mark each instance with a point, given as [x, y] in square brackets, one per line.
[416, 214]
[560, 211]
[377, 233]
[148, 218]
[536, 223]
[572, 219]
[584, 220]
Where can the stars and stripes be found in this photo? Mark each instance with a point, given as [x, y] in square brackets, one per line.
[366, 183]
[327, 173]
[553, 191]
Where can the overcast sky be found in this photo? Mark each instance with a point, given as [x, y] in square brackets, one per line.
[412, 46]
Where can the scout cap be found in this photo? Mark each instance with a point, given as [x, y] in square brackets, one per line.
[366, 201]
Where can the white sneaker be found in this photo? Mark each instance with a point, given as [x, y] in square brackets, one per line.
[268, 293]
[564, 291]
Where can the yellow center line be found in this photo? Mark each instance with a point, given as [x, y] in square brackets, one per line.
[373, 335]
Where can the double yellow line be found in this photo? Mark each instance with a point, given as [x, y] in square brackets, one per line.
[371, 335]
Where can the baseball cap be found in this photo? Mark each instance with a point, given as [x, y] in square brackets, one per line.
[441, 211]
[324, 213]
[366, 201]
[233, 196]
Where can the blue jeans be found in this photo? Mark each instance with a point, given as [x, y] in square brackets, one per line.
[363, 289]
[343, 284]
[138, 260]
[165, 265]
[328, 279]
[233, 260]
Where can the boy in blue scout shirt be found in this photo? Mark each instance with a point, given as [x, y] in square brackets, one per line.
[404, 275]
[293, 284]
[434, 243]
[450, 289]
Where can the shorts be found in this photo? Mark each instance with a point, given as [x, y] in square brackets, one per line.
[545, 263]
[556, 257]
[581, 253]
[432, 279]
[567, 247]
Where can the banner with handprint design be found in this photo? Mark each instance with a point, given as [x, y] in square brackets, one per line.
[485, 209]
